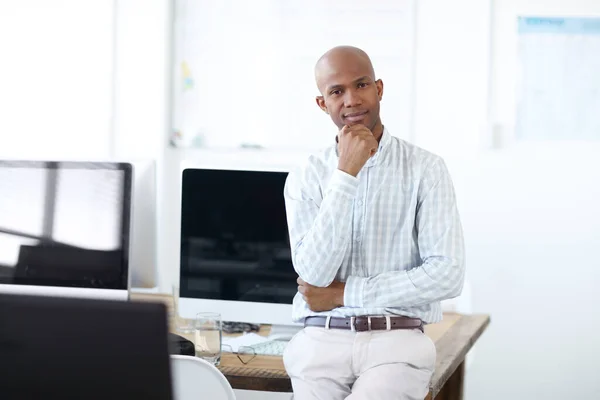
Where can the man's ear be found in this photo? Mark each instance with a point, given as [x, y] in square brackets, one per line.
[379, 84]
[321, 103]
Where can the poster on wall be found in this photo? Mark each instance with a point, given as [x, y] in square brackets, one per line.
[558, 79]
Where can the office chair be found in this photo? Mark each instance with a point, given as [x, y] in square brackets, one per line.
[196, 379]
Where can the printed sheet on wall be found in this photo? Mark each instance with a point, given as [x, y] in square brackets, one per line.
[559, 79]
[243, 72]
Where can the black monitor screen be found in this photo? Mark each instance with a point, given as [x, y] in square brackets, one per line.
[234, 237]
[64, 223]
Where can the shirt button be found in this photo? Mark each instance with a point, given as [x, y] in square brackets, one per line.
[360, 202]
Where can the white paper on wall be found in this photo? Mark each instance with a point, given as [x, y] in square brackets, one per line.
[559, 79]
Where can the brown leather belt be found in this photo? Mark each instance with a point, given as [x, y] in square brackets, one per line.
[365, 323]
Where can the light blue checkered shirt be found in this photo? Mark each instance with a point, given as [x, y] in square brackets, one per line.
[392, 233]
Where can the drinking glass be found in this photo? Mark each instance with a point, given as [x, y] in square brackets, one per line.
[208, 337]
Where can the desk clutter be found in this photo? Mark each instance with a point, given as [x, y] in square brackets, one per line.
[239, 327]
[252, 344]
[178, 345]
[246, 346]
[266, 348]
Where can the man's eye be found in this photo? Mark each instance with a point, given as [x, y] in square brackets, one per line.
[362, 85]
[335, 92]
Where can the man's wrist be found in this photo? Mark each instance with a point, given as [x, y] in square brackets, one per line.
[347, 170]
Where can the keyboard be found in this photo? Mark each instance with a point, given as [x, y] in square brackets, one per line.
[270, 348]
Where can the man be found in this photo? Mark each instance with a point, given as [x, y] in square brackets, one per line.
[377, 244]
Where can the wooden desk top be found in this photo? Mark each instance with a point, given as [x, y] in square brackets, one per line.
[453, 338]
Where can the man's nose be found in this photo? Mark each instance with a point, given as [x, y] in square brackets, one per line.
[352, 99]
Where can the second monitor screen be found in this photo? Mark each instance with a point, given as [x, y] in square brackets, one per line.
[234, 237]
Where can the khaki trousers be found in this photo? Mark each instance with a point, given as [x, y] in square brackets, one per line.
[332, 364]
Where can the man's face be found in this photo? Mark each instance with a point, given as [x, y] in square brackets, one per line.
[350, 95]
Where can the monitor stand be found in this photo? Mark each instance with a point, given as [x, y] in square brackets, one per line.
[284, 332]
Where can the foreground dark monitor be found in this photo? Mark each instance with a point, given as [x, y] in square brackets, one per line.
[64, 348]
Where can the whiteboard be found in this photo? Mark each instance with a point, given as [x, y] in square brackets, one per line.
[559, 79]
[243, 71]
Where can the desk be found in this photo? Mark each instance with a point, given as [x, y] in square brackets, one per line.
[453, 338]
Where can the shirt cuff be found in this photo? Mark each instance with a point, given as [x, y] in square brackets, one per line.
[344, 183]
[353, 292]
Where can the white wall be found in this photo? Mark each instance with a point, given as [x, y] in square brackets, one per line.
[141, 101]
[532, 228]
[452, 73]
[531, 217]
[56, 102]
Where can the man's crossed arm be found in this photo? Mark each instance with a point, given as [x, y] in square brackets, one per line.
[322, 298]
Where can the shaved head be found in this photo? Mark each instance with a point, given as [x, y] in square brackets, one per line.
[350, 94]
[341, 57]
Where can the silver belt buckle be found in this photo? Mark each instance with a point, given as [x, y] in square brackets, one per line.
[352, 322]
[369, 322]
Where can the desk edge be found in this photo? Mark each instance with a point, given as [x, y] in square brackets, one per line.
[450, 357]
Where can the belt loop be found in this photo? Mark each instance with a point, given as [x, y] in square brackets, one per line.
[327, 321]
[352, 321]
[388, 323]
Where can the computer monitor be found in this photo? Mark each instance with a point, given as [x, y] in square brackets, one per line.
[65, 228]
[68, 348]
[235, 255]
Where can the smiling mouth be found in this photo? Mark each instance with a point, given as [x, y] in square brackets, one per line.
[355, 117]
